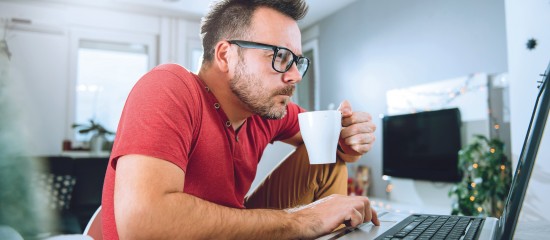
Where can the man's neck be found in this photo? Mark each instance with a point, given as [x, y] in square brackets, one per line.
[219, 86]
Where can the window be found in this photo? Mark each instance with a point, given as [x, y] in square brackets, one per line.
[195, 57]
[196, 60]
[307, 91]
[106, 72]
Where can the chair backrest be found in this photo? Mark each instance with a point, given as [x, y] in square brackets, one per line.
[93, 229]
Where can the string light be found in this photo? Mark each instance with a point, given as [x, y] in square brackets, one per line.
[493, 150]
[497, 127]
[502, 167]
[473, 184]
[472, 198]
[475, 165]
[436, 99]
[479, 209]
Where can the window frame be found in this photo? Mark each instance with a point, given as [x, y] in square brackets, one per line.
[313, 45]
[149, 40]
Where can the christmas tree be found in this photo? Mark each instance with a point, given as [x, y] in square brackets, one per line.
[486, 180]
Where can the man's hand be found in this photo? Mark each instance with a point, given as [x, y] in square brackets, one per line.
[357, 135]
[323, 216]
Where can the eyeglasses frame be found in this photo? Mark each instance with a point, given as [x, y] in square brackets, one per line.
[275, 49]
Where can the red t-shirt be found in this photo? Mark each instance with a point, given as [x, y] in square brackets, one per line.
[171, 115]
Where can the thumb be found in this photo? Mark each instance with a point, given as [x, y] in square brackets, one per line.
[345, 108]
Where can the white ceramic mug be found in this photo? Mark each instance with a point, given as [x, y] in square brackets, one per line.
[321, 131]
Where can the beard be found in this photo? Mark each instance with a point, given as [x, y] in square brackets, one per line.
[252, 92]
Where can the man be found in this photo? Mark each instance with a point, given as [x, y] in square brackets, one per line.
[187, 146]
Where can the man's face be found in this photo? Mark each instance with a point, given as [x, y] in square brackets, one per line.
[261, 89]
[257, 96]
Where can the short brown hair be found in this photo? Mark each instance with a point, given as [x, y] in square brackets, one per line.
[231, 19]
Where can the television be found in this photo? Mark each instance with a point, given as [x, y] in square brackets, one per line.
[422, 145]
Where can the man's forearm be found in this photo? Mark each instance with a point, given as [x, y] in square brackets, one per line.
[183, 216]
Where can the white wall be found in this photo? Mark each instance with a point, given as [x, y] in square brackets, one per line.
[524, 20]
[372, 46]
[44, 54]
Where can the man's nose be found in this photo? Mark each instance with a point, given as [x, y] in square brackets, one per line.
[293, 75]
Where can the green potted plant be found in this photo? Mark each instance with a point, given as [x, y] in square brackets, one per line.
[99, 140]
[487, 175]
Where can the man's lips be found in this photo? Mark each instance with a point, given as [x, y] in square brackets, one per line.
[287, 91]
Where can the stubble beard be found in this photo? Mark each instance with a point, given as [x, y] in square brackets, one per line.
[252, 93]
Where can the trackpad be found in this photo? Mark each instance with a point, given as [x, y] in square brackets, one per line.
[368, 230]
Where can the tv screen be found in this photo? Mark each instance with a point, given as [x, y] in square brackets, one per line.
[422, 145]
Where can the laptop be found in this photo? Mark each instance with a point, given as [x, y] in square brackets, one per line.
[428, 226]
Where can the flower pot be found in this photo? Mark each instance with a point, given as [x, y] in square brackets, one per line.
[96, 143]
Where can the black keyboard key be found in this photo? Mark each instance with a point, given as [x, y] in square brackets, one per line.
[436, 227]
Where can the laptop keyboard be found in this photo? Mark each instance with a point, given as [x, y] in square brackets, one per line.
[422, 227]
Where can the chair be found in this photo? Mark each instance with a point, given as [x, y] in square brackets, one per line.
[7, 232]
[93, 228]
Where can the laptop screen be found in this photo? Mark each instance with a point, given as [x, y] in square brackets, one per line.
[526, 162]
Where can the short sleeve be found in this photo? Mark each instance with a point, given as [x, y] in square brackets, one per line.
[158, 117]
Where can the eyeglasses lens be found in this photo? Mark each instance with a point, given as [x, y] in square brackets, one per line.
[302, 65]
[283, 60]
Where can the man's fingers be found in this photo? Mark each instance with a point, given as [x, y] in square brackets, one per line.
[345, 109]
[375, 219]
[371, 215]
[357, 218]
[359, 128]
[356, 117]
[364, 138]
[368, 212]
[361, 148]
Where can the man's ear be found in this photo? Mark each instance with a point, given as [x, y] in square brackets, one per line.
[222, 55]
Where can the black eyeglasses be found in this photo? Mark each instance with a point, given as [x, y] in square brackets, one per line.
[283, 58]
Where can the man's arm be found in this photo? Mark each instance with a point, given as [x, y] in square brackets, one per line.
[149, 204]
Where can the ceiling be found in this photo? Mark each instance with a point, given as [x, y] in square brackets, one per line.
[318, 9]
[194, 9]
